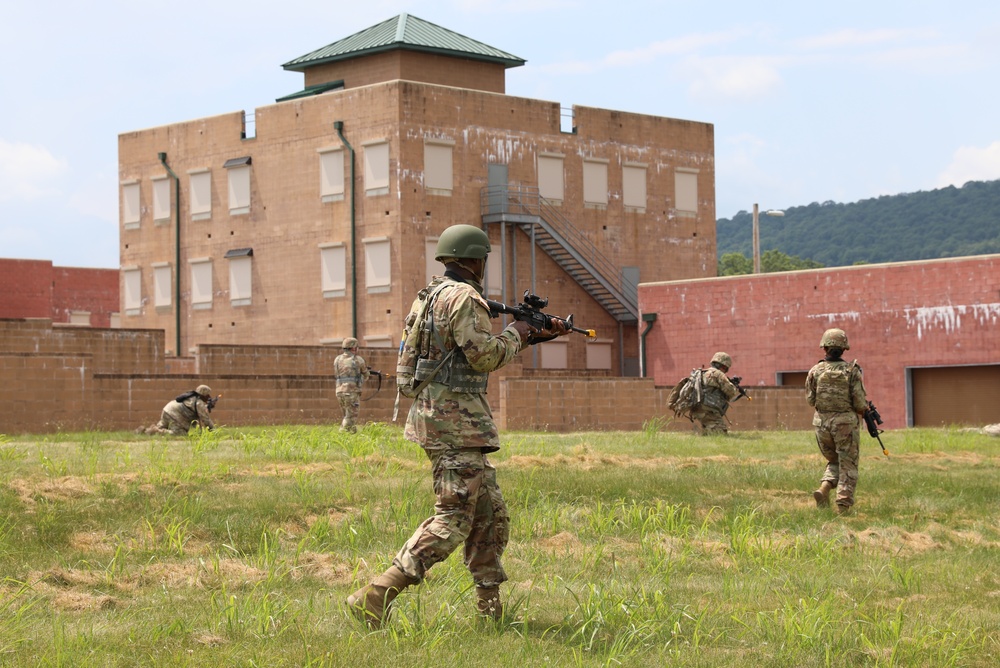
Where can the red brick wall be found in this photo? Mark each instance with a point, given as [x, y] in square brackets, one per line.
[27, 289]
[899, 315]
[81, 289]
[37, 289]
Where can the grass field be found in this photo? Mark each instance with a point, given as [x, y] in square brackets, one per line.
[237, 548]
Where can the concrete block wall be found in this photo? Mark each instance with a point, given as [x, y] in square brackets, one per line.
[896, 315]
[112, 350]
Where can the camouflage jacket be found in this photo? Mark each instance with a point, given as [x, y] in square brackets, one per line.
[442, 418]
[717, 391]
[189, 410]
[836, 387]
[351, 373]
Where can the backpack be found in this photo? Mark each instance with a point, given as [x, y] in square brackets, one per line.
[687, 394]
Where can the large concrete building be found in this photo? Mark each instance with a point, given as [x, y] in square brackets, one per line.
[319, 219]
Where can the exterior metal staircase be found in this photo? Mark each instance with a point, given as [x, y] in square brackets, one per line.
[523, 207]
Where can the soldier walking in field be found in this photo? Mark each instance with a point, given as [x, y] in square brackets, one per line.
[451, 420]
[351, 373]
[836, 390]
[717, 391]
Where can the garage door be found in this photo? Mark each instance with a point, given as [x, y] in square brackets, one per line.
[967, 395]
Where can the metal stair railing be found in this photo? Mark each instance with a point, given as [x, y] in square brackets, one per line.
[524, 206]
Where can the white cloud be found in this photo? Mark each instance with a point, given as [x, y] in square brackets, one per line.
[972, 163]
[643, 55]
[729, 78]
[27, 171]
[853, 38]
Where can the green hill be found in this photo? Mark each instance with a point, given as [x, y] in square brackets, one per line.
[949, 222]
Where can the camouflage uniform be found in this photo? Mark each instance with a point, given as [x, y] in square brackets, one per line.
[717, 392]
[836, 390]
[451, 420]
[177, 416]
[351, 373]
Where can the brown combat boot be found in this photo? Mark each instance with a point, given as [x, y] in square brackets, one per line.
[822, 495]
[843, 509]
[370, 604]
[488, 603]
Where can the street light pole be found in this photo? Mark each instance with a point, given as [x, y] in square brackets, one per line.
[756, 240]
[756, 233]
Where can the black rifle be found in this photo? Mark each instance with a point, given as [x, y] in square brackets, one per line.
[367, 392]
[872, 421]
[530, 311]
[211, 401]
[735, 380]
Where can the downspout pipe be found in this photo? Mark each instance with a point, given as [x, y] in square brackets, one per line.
[339, 127]
[649, 319]
[177, 250]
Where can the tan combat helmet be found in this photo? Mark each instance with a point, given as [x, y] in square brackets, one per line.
[204, 390]
[349, 342]
[723, 358]
[834, 338]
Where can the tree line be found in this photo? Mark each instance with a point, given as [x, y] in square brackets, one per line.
[947, 222]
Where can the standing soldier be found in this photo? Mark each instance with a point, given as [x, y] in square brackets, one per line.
[836, 390]
[351, 373]
[180, 414]
[451, 420]
[717, 392]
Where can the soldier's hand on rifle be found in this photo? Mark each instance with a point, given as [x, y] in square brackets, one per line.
[523, 329]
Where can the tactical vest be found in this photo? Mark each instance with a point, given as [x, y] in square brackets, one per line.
[420, 340]
[833, 387]
[712, 397]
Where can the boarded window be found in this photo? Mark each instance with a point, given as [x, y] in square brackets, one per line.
[432, 267]
[494, 271]
[438, 178]
[132, 280]
[79, 318]
[554, 354]
[333, 269]
[377, 264]
[550, 178]
[161, 199]
[377, 168]
[331, 175]
[599, 355]
[240, 281]
[201, 194]
[162, 280]
[595, 182]
[686, 191]
[131, 211]
[634, 187]
[201, 284]
[239, 189]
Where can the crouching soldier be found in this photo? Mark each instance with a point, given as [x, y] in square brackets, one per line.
[180, 414]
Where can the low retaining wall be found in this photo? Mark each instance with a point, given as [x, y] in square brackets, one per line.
[49, 383]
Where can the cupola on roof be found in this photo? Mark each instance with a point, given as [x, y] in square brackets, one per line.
[406, 32]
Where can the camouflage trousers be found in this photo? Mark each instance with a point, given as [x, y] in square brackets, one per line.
[838, 438]
[350, 404]
[712, 421]
[469, 509]
[167, 425]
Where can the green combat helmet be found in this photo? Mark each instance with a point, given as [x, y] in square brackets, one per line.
[463, 241]
[834, 338]
[723, 358]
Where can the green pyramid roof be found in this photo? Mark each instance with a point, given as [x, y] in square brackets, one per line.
[404, 32]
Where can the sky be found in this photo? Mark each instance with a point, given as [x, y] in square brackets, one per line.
[810, 102]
